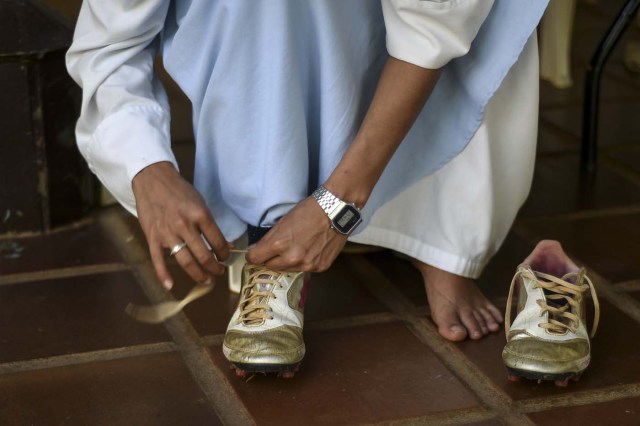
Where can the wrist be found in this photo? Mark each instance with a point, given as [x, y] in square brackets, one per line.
[152, 172]
[350, 192]
[343, 215]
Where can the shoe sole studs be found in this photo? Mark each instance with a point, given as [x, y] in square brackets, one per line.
[560, 380]
[284, 371]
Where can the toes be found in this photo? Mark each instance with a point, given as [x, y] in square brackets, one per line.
[453, 332]
[489, 319]
[474, 328]
[449, 326]
[495, 313]
[482, 323]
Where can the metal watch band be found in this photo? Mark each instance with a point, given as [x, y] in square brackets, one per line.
[326, 199]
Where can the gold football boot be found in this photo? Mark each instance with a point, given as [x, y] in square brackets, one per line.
[265, 332]
[548, 339]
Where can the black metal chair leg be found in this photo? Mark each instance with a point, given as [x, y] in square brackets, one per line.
[592, 87]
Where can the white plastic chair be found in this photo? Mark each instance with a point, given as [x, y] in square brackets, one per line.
[555, 43]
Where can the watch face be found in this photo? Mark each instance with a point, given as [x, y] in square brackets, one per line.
[346, 220]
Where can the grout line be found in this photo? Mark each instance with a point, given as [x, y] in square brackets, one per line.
[612, 393]
[326, 324]
[583, 214]
[38, 234]
[86, 357]
[212, 340]
[454, 417]
[622, 169]
[555, 129]
[53, 274]
[491, 396]
[354, 321]
[628, 286]
[619, 299]
[211, 380]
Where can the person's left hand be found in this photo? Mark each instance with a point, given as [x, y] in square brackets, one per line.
[302, 241]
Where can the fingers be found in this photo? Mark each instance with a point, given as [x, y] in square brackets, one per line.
[193, 267]
[291, 260]
[195, 259]
[185, 259]
[172, 212]
[295, 258]
[157, 258]
[213, 237]
[203, 257]
[265, 250]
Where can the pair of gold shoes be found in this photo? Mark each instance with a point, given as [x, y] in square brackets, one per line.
[548, 339]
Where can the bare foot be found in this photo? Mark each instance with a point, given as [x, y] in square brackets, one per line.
[457, 306]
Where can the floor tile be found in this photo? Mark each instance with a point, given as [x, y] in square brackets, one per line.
[617, 121]
[620, 413]
[635, 295]
[629, 158]
[210, 314]
[86, 244]
[611, 89]
[356, 375]
[552, 141]
[614, 359]
[336, 293]
[152, 390]
[496, 278]
[58, 317]
[558, 187]
[609, 245]
[398, 269]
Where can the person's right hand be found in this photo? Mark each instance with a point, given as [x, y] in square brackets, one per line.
[170, 212]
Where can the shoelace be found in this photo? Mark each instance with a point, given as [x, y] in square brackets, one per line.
[162, 311]
[254, 307]
[561, 290]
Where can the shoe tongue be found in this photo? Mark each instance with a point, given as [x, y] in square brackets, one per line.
[557, 303]
[255, 318]
[262, 287]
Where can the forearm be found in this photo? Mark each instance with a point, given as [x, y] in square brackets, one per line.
[422, 37]
[402, 91]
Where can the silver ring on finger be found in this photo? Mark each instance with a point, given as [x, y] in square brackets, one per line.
[177, 248]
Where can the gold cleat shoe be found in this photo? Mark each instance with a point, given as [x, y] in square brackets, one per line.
[548, 339]
[265, 332]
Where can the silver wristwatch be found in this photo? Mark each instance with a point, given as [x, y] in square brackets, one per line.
[344, 217]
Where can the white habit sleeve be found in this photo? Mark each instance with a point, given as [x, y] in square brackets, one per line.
[430, 33]
[124, 122]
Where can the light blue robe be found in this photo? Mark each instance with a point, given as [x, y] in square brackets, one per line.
[279, 88]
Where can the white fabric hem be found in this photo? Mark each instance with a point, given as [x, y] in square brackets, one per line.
[422, 251]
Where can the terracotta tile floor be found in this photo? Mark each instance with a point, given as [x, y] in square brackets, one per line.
[70, 355]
